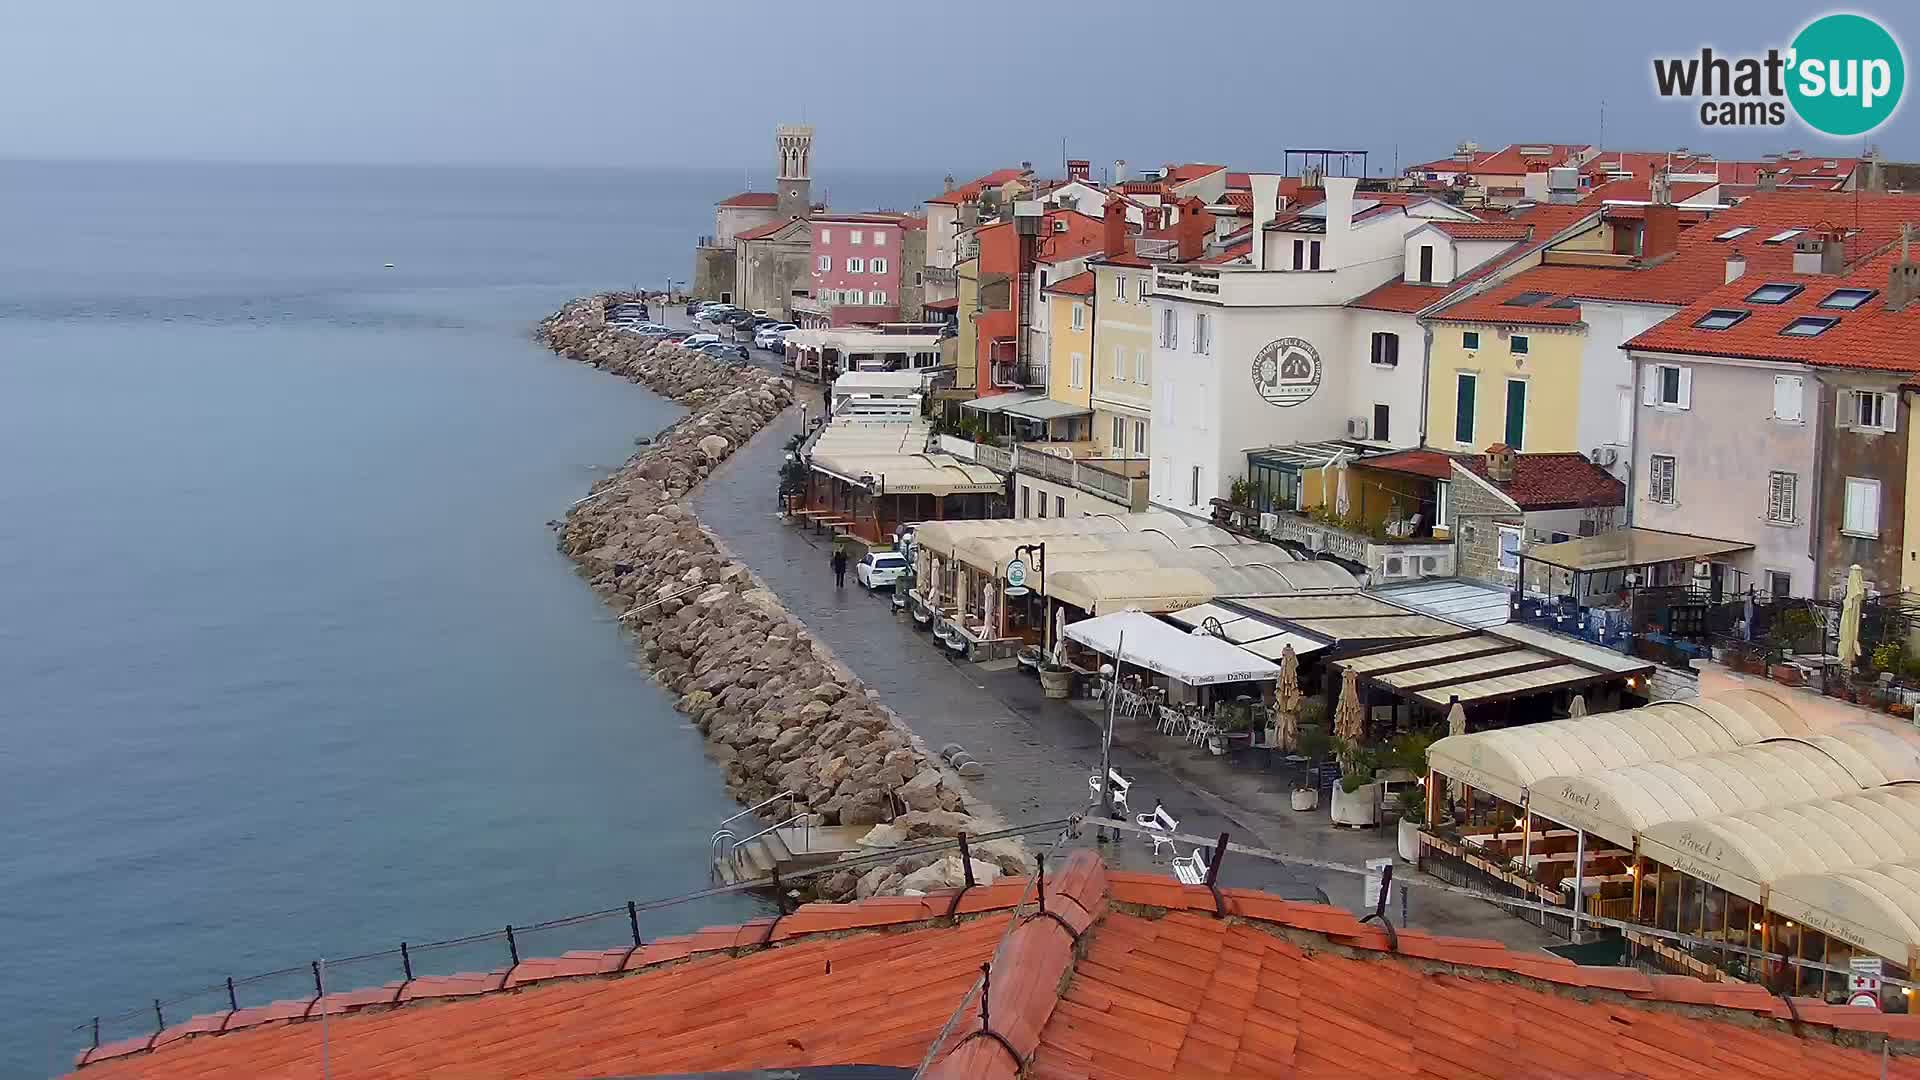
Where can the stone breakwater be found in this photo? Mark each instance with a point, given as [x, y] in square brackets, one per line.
[779, 711]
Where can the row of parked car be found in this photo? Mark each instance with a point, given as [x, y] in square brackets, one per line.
[768, 332]
[706, 343]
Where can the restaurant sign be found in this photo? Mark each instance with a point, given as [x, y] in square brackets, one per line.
[1286, 372]
[1016, 578]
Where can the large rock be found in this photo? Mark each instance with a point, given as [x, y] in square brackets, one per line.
[923, 791]
[715, 447]
[948, 873]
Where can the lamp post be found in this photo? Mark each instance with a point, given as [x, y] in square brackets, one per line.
[1039, 562]
[668, 298]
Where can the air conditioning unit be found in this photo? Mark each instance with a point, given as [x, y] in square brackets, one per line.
[1356, 427]
[1269, 523]
[1059, 225]
[1603, 455]
[1393, 567]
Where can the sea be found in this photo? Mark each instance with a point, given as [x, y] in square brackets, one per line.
[290, 669]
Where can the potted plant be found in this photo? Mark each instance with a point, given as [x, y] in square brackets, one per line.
[1355, 798]
[1312, 744]
[1412, 804]
[1056, 678]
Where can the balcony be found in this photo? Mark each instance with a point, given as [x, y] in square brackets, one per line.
[941, 277]
[1122, 481]
[1385, 558]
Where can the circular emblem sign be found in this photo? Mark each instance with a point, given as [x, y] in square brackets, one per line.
[1016, 575]
[1286, 372]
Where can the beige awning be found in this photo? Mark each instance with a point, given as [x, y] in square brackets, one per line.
[1350, 616]
[1175, 587]
[941, 538]
[889, 457]
[985, 553]
[1747, 852]
[1875, 908]
[1618, 804]
[1505, 763]
[1623, 548]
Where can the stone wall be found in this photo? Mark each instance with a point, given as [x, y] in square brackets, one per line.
[713, 273]
[779, 711]
[1477, 515]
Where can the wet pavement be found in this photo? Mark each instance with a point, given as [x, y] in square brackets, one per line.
[1038, 754]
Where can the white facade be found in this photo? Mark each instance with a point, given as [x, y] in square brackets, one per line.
[1606, 379]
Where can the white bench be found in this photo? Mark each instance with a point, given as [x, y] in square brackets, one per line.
[1191, 870]
[1160, 825]
[1121, 785]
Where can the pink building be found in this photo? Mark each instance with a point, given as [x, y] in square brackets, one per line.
[857, 265]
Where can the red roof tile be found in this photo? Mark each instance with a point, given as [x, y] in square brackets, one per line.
[765, 200]
[764, 231]
[1428, 463]
[1485, 230]
[1551, 481]
[1080, 284]
[1640, 189]
[1239, 181]
[1239, 200]
[1158, 987]
[972, 188]
[1402, 296]
[1181, 174]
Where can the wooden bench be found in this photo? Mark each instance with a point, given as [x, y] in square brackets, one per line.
[1160, 827]
[1191, 870]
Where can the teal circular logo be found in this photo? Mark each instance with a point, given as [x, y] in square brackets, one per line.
[1847, 75]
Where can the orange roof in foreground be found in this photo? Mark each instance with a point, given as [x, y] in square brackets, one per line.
[1128, 975]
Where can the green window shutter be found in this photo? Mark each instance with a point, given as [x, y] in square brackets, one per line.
[1463, 409]
[1516, 412]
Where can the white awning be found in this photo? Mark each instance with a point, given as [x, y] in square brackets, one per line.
[1152, 644]
[1171, 588]
[944, 538]
[994, 403]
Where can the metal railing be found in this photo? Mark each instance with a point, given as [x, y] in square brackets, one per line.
[997, 458]
[1086, 475]
[804, 820]
[724, 834]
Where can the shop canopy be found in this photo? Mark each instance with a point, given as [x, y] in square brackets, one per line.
[943, 537]
[1622, 549]
[1618, 804]
[1174, 587]
[1506, 762]
[1875, 908]
[994, 403]
[991, 552]
[1748, 852]
[1046, 408]
[1477, 667]
[1253, 633]
[888, 458]
[1157, 646]
[1348, 615]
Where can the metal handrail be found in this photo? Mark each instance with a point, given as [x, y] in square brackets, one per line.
[762, 804]
[806, 823]
[714, 845]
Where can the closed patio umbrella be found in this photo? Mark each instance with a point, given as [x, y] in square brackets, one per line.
[1578, 707]
[1350, 719]
[1849, 649]
[1286, 701]
[1457, 719]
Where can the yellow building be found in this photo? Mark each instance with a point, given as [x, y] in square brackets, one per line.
[1070, 308]
[1511, 383]
[967, 294]
[1122, 357]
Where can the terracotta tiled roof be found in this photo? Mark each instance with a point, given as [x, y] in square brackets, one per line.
[1552, 481]
[1180, 174]
[1239, 200]
[972, 188]
[764, 231]
[1127, 975]
[1422, 462]
[1403, 296]
[763, 199]
[1145, 187]
[1509, 161]
[1237, 181]
[1640, 189]
[1084, 235]
[1868, 336]
[1485, 230]
[1241, 250]
[1080, 284]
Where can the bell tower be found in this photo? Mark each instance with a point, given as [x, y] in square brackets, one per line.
[794, 144]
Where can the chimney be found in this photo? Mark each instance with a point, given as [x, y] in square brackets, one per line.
[1534, 187]
[1819, 254]
[1736, 265]
[1119, 170]
[1500, 463]
[1079, 169]
[1903, 277]
[1113, 229]
[1310, 177]
[1660, 233]
[1266, 203]
[1766, 180]
[1339, 204]
[1192, 229]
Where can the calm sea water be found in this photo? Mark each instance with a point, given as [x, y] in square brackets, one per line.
[289, 666]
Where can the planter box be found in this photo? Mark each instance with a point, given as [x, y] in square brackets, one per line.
[1409, 841]
[1359, 808]
[1787, 675]
[1056, 684]
[1306, 799]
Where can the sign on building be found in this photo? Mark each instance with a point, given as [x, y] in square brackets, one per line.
[1863, 981]
[1286, 372]
[1016, 577]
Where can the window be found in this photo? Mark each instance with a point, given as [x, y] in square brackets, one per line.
[1026, 501]
[1736, 233]
[876, 297]
[918, 279]
[1079, 316]
[1299, 254]
[876, 266]
[1059, 506]
[1140, 366]
[1868, 410]
[826, 236]
[1516, 413]
[1202, 333]
[1779, 584]
[1380, 429]
[1313, 255]
[1668, 386]
[1848, 299]
[1119, 286]
[854, 297]
[1079, 371]
[1789, 393]
[1517, 344]
[1527, 299]
[1783, 236]
[1469, 339]
[879, 238]
[856, 266]
[1426, 262]
[1660, 479]
[853, 237]
[1783, 489]
[1119, 369]
[1140, 437]
[1773, 293]
[1119, 433]
[1464, 387]
[1386, 349]
[1510, 549]
[1863, 507]
[1719, 319]
[1808, 326]
[1169, 329]
[826, 262]
[1194, 491]
[1043, 504]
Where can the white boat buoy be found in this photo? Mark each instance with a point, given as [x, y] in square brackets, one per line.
[389, 266]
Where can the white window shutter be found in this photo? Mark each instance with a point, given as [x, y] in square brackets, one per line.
[1650, 385]
[1686, 388]
[1890, 412]
[1845, 411]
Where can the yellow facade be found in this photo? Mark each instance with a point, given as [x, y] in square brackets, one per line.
[1122, 358]
[1069, 344]
[967, 296]
[1910, 558]
[1547, 375]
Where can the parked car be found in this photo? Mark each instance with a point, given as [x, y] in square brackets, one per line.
[773, 335]
[655, 329]
[694, 306]
[716, 313]
[694, 341]
[629, 312]
[739, 320]
[880, 569]
[724, 350]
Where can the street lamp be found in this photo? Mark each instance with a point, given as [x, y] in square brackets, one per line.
[1038, 561]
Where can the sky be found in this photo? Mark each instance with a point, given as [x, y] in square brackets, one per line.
[957, 87]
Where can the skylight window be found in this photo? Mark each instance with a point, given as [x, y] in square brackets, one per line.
[1719, 319]
[1783, 236]
[1733, 234]
[1809, 326]
[1565, 302]
[1848, 299]
[1527, 299]
[1773, 293]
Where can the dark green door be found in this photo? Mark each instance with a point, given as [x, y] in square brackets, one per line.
[1463, 408]
[1516, 412]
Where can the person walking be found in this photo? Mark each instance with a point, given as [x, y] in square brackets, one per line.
[839, 568]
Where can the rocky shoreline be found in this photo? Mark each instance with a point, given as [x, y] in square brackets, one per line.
[779, 711]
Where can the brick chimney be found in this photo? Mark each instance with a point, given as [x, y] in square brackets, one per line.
[1192, 229]
[1500, 463]
[1079, 169]
[1660, 232]
[1903, 277]
[1820, 253]
[1736, 265]
[1766, 180]
[1113, 229]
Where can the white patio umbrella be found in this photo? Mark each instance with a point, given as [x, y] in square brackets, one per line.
[1059, 633]
[1457, 719]
[1578, 706]
[1849, 649]
[1350, 719]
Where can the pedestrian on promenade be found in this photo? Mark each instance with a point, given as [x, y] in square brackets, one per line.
[839, 568]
